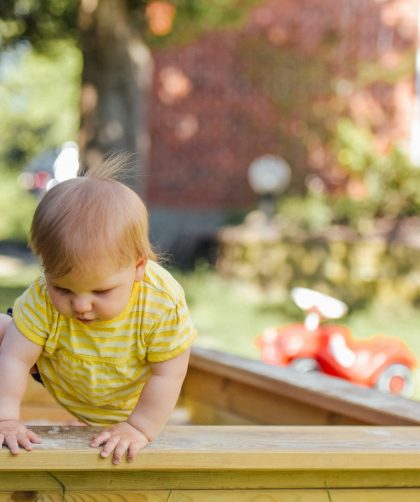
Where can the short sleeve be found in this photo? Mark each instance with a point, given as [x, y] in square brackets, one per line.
[31, 313]
[172, 334]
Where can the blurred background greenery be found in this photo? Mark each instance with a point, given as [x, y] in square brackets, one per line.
[363, 188]
[39, 98]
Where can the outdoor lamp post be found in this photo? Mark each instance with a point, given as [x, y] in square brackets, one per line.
[268, 177]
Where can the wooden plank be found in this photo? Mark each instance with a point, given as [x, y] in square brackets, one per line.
[227, 495]
[250, 496]
[30, 496]
[202, 413]
[231, 448]
[303, 495]
[384, 495]
[30, 481]
[298, 495]
[230, 480]
[213, 399]
[337, 399]
[117, 496]
[29, 486]
[235, 479]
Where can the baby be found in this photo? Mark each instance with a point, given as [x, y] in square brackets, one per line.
[105, 326]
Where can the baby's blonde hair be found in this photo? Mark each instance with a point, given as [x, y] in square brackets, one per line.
[85, 220]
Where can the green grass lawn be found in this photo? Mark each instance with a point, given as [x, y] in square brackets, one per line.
[229, 315]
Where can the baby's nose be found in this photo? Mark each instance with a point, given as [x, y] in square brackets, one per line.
[82, 305]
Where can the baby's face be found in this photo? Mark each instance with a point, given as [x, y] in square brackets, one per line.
[95, 295]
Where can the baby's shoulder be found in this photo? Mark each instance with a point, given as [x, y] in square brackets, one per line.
[36, 289]
[160, 282]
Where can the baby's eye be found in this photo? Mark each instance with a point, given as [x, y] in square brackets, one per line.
[102, 292]
[63, 291]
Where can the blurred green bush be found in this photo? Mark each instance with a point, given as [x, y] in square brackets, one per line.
[376, 185]
[39, 100]
[359, 242]
[39, 103]
[16, 208]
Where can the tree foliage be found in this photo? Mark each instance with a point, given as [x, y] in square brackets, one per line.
[379, 186]
[41, 64]
[39, 96]
[38, 21]
[193, 18]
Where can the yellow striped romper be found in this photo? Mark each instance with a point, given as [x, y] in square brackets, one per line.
[97, 371]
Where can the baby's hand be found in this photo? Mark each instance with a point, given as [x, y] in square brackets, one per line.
[14, 434]
[120, 438]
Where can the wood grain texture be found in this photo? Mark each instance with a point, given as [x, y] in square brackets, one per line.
[250, 496]
[118, 496]
[216, 400]
[283, 495]
[30, 481]
[232, 383]
[30, 496]
[238, 479]
[230, 464]
[383, 495]
[232, 448]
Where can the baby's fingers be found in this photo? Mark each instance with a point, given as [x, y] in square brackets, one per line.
[24, 441]
[134, 449]
[100, 438]
[120, 450]
[12, 443]
[109, 447]
[33, 437]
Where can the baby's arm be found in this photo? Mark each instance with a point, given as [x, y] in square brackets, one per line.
[160, 395]
[17, 356]
[148, 418]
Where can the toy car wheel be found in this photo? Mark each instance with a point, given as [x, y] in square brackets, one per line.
[396, 379]
[305, 364]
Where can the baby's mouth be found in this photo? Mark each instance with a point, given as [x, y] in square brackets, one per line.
[86, 321]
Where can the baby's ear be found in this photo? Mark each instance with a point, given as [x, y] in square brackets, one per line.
[140, 265]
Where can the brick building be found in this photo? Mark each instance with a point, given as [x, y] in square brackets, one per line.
[276, 85]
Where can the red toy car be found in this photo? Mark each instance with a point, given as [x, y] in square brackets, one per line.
[380, 362]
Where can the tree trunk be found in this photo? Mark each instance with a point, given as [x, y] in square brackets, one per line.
[115, 87]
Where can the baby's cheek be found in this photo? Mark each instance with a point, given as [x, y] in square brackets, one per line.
[60, 305]
[110, 309]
